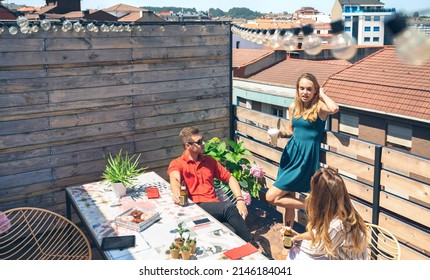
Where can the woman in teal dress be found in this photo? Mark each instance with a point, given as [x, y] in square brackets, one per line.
[300, 158]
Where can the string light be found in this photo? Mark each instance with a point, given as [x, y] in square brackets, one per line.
[67, 24]
[412, 46]
[312, 44]
[290, 40]
[343, 45]
[1, 27]
[44, 23]
[77, 26]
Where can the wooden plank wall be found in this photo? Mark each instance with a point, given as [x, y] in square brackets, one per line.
[69, 99]
[404, 204]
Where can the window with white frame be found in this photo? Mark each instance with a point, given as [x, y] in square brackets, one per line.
[399, 137]
[375, 39]
[366, 39]
[376, 28]
[376, 18]
[278, 111]
[367, 18]
[367, 28]
[349, 123]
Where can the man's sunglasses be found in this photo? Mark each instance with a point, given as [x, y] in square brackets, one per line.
[198, 142]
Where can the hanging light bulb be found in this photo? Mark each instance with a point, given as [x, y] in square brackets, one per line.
[90, 26]
[412, 46]
[275, 38]
[312, 44]
[67, 24]
[290, 40]
[121, 28]
[104, 27]
[1, 27]
[184, 28]
[162, 29]
[77, 26]
[13, 30]
[21, 20]
[34, 28]
[128, 28]
[25, 29]
[343, 46]
[259, 37]
[54, 28]
[44, 23]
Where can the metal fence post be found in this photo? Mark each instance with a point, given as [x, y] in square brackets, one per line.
[376, 184]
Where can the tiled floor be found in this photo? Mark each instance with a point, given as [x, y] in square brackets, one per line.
[265, 223]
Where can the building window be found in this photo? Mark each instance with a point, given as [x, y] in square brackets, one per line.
[366, 39]
[375, 39]
[367, 18]
[399, 137]
[349, 124]
[367, 28]
[376, 28]
[278, 111]
[347, 18]
[347, 29]
[376, 18]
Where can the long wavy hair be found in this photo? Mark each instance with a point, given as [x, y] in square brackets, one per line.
[310, 113]
[329, 199]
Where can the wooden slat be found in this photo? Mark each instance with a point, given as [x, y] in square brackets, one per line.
[406, 164]
[257, 133]
[364, 210]
[351, 147]
[406, 233]
[260, 118]
[411, 254]
[357, 170]
[358, 189]
[405, 187]
[405, 208]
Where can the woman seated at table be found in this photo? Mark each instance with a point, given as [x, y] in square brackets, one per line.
[335, 230]
[197, 171]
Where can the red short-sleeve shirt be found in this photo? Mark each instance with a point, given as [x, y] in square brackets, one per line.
[199, 176]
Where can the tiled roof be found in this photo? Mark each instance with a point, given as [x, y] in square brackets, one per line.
[286, 73]
[383, 83]
[131, 17]
[243, 57]
[123, 8]
[360, 2]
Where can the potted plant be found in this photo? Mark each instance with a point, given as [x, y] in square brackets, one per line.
[174, 251]
[233, 156]
[121, 170]
[191, 242]
[185, 252]
[179, 241]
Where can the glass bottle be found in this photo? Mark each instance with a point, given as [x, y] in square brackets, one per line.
[288, 234]
[183, 195]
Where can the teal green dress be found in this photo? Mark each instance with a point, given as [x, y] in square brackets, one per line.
[301, 156]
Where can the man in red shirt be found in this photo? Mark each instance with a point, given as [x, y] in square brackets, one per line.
[198, 172]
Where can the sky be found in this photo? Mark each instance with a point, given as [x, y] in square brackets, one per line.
[275, 6]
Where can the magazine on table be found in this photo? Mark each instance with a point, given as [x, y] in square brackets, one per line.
[137, 218]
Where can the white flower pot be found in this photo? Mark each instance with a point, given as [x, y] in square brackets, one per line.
[119, 189]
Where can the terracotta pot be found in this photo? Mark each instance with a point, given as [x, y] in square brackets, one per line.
[192, 248]
[186, 255]
[179, 242]
[174, 253]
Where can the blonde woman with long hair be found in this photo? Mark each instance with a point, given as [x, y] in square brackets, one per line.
[335, 230]
[300, 158]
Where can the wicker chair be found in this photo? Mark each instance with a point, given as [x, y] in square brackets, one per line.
[39, 234]
[383, 245]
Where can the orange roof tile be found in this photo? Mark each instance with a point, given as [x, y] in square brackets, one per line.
[286, 73]
[383, 83]
[123, 8]
[243, 57]
[131, 17]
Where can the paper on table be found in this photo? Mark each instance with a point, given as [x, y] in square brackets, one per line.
[241, 251]
[152, 192]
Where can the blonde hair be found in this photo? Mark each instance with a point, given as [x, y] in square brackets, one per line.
[311, 113]
[329, 199]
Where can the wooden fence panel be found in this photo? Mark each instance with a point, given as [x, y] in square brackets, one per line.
[69, 99]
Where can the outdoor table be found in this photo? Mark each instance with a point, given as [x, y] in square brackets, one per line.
[96, 205]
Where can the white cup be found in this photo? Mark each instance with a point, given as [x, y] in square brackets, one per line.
[273, 133]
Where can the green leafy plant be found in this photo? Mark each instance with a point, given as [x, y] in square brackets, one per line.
[185, 248]
[173, 246]
[122, 169]
[181, 230]
[233, 155]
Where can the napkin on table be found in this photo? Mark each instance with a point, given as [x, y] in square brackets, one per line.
[152, 192]
[241, 251]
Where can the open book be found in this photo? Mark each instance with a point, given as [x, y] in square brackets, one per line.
[137, 218]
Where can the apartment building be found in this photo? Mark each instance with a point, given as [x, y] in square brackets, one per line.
[364, 20]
